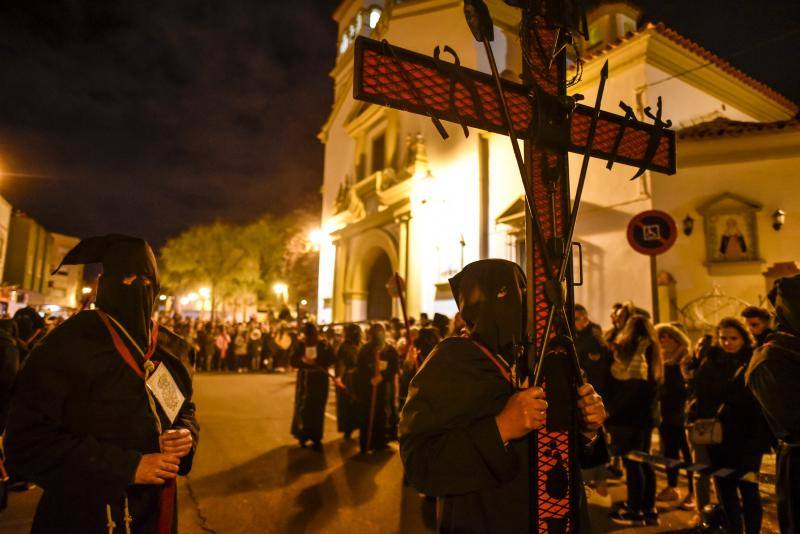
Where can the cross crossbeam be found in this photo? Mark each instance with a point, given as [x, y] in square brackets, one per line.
[395, 77]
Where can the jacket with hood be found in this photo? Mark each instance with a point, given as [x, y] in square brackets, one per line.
[745, 435]
[449, 441]
[633, 391]
[773, 377]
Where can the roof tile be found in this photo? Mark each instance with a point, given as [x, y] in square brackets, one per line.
[722, 127]
[698, 50]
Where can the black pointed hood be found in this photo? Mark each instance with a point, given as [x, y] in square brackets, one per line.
[122, 256]
[490, 295]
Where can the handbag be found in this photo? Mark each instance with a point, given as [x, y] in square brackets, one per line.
[706, 431]
[709, 431]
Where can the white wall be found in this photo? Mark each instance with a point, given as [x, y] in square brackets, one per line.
[771, 180]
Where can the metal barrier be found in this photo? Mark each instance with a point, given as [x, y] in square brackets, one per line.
[663, 463]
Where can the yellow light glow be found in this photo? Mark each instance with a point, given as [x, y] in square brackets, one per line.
[281, 291]
[162, 298]
[184, 301]
[317, 238]
[204, 292]
[192, 297]
[86, 290]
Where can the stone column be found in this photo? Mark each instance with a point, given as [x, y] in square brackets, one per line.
[402, 256]
[339, 311]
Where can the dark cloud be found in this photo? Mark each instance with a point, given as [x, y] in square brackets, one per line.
[149, 116]
[760, 37]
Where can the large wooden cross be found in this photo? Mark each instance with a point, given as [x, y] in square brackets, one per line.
[552, 124]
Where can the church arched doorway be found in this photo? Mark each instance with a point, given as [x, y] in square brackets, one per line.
[379, 303]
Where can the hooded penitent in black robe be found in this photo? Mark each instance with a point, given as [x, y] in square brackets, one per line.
[347, 415]
[311, 389]
[377, 412]
[80, 419]
[773, 377]
[449, 440]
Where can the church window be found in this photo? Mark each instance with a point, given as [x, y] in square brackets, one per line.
[361, 167]
[368, 18]
[378, 153]
[344, 44]
[374, 17]
[625, 25]
[595, 34]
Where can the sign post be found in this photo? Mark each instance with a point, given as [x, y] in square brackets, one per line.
[652, 233]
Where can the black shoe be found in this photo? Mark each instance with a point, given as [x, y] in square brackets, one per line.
[19, 485]
[651, 518]
[614, 472]
[316, 446]
[623, 516]
[302, 442]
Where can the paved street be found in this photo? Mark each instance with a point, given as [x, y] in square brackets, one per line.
[250, 476]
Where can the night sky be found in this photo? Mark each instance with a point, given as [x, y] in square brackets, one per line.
[147, 117]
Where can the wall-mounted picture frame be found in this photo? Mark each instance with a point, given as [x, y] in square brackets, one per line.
[731, 229]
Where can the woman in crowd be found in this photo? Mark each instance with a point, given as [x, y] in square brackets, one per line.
[674, 397]
[312, 358]
[719, 382]
[240, 348]
[636, 373]
[222, 341]
[346, 362]
[255, 339]
[283, 348]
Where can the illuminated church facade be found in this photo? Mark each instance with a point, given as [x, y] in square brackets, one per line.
[396, 197]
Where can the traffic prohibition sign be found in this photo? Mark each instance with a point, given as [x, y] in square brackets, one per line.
[652, 232]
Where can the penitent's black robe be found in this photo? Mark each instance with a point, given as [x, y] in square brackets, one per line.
[378, 413]
[79, 423]
[451, 447]
[347, 415]
[773, 377]
[311, 392]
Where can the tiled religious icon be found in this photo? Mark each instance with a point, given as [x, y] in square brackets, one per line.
[731, 231]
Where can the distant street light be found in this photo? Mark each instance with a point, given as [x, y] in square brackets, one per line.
[281, 291]
[204, 292]
[315, 238]
[86, 290]
[304, 302]
[162, 298]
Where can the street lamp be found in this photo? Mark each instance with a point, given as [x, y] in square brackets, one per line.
[688, 225]
[86, 290]
[281, 291]
[315, 238]
[778, 219]
[162, 298]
